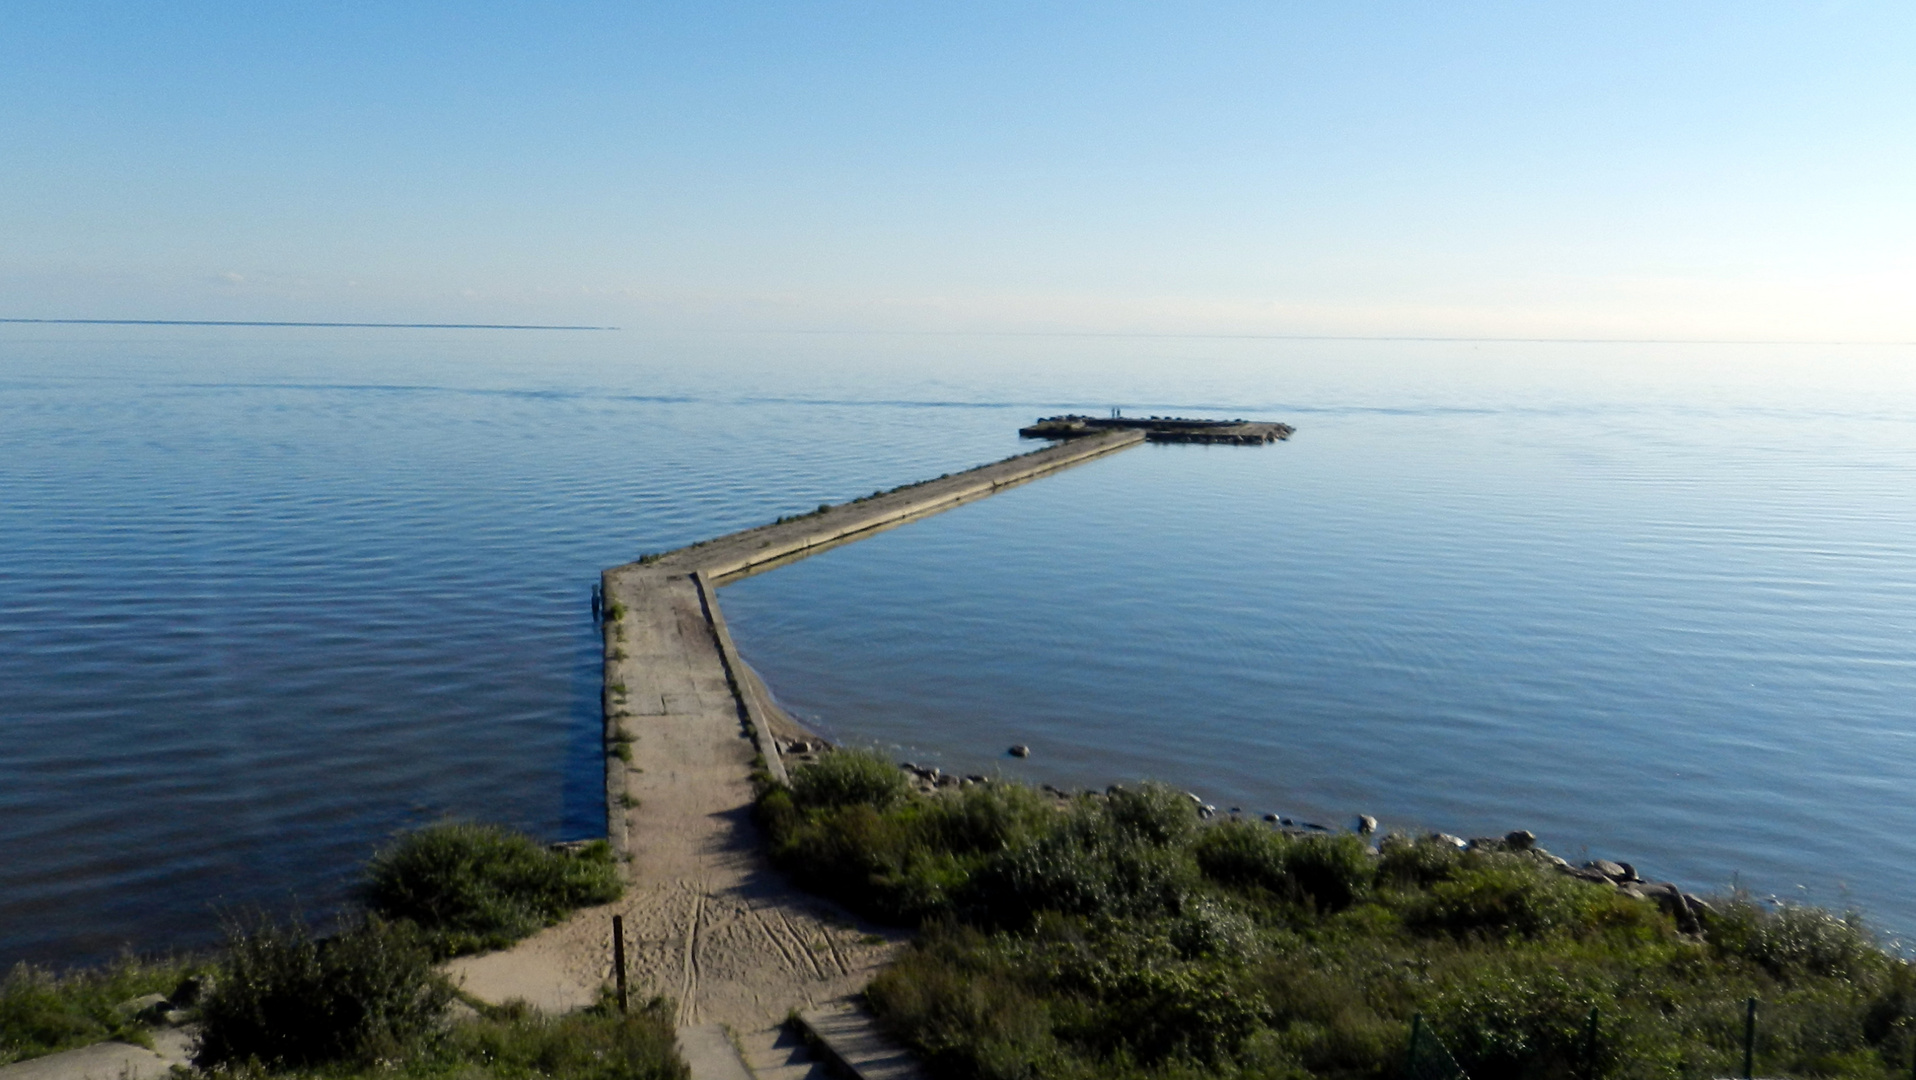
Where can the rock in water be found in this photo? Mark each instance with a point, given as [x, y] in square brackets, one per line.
[1366, 824]
[1521, 840]
[1021, 750]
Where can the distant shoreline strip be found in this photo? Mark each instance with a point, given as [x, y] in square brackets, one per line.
[338, 325]
[1149, 335]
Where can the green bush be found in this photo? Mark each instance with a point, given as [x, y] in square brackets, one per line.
[988, 818]
[42, 1013]
[1509, 896]
[1404, 862]
[849, 777]
[286, 999]
[1154, 813]
[1794, 941]
[475, 887]
[1114, 937]
[1509, 1026]
[1210, 928]
[1330, 872]
[597, 1044]
[1077, 869]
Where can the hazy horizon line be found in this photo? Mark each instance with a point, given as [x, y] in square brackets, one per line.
[1336, 337]
[847, 332]
[342, 325]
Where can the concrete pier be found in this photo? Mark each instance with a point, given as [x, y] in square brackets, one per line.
[741, 554]
[686, 722]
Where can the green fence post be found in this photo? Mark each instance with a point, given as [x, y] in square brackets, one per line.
[1749, 1041]
[618, 956]
[1410, 1053]
[1590, 1047]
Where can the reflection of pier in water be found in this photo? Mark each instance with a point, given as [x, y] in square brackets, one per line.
[686, 722]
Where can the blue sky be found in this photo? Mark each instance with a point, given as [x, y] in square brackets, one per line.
[1741, 170]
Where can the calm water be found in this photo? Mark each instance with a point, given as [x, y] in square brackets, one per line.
[268, 596]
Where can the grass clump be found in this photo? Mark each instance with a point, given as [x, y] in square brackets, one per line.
[43, 1013]
[1118, 937]
[284, 998]
[515, 1042]
[369, 1001]
[471, 887]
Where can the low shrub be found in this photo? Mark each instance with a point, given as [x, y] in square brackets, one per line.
[473, 887]
[1404, 862]
[1081, 867]
[42, 1012]
[989, 818]
[1115, 937]
[284, 998]
[601, 1043]
[846, 778]
[1154, 813]
[1329, 872]
[1793, 941]
[1510, 896]
[1507, 1026]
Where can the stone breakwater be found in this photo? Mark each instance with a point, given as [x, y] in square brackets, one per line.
[1170, 429]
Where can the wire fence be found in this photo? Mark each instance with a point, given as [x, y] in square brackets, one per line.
[1427, 1058]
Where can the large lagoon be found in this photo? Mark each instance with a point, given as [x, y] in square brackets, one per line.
[269, 595]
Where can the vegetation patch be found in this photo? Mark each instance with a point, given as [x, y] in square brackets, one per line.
[368, 1001]
[1116, 936]
[284, 998]
[42, 1012]
[470, 887]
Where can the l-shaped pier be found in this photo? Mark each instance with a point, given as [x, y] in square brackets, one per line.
[708, 922]
[685, 724]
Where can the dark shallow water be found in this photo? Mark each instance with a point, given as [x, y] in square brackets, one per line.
[268, 596]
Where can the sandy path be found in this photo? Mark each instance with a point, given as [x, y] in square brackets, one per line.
[708, 922]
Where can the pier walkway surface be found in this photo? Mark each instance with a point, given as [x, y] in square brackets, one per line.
[709, 922]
